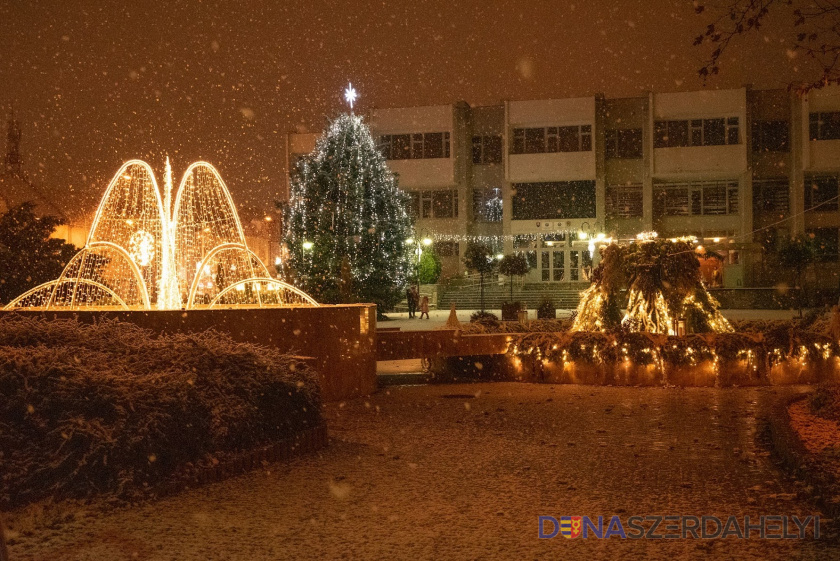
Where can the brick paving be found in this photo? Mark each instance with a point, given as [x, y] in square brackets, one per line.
[463, 472]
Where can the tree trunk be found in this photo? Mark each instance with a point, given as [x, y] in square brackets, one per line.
[481, 284]
[801, 298]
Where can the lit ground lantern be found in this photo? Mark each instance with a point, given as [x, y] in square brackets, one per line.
[143, 254]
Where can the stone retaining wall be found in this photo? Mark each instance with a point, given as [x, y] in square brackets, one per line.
[339, 340]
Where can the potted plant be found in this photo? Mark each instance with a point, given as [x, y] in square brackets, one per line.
[547, 309]
[512, 265]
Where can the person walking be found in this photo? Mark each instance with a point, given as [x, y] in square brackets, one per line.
[411, 298]
[424, 307]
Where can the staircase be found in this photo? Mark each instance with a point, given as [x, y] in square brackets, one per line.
[565, 296]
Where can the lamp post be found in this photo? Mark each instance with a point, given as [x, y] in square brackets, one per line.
[419, 241]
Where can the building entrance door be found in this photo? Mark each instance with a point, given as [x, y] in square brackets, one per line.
[553, 265]
[565, 265]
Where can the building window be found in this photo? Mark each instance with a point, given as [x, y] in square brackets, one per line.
[670, 133]
[624, 201]
[821, 193]
[563, 199]
[623, 143]
[447, 249]
[444, 204]
[826, 246]
[771, 196]
[415, 146]
[534, 141]
[558, 265]
[414, 204]
[696, 199]
[433, 204]
[824, 126]
[487, 149]
[552, 240]
[487, 205]
[770, 136]
[696, 132]
[552, 139]
[524, 245]
[586, 138]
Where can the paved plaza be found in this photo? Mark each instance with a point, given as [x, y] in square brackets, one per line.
[464, 472]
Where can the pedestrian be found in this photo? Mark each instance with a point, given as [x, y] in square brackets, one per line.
[424, 307]
[412, 303]
[416, 294]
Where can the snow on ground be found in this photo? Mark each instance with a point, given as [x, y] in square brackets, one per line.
[463, 472]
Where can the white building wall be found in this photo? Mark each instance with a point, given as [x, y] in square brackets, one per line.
[557, 166]
[421, 173]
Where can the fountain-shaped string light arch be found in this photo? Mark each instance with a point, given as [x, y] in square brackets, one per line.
[140, 254]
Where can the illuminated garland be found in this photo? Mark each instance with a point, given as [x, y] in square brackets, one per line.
[665, 290]
[718, 355]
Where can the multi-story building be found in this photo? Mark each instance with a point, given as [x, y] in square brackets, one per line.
[736, 168]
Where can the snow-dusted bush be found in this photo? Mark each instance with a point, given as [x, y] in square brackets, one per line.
[112, 408]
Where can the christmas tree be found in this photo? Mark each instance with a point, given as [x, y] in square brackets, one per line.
[346, 223]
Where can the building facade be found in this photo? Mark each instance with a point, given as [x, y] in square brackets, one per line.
[739, 169]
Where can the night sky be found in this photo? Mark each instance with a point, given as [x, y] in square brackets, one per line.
[224, 81]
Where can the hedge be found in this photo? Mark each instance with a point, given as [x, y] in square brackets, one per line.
[111, 408]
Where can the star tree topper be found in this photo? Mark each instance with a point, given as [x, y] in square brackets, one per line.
[350, 95]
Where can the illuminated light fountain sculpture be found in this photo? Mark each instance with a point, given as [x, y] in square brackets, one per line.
[142, 253]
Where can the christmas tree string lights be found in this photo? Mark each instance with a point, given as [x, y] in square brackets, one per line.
[347, 228]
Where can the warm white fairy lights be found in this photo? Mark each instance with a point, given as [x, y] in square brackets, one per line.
[142, 253]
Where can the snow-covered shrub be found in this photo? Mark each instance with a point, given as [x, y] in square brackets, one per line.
[112, 408]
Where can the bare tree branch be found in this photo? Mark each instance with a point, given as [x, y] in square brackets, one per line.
[818, 37]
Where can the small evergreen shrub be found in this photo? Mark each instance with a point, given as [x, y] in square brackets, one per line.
[488, 318]
[547, 310]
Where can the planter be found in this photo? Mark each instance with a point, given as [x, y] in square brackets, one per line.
[626, 373]
[546, 312]
[741, 373]
[694, 375]
[588, 373]
[793, 371]
[511, 309]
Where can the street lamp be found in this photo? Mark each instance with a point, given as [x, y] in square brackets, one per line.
[307, 245]
[420, 241]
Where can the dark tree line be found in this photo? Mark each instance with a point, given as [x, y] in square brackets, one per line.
[28, 255]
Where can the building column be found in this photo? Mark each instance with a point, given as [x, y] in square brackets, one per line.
[648, 165]
[599, 145]
[745, 187]
[507, 195]
[799, 147]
